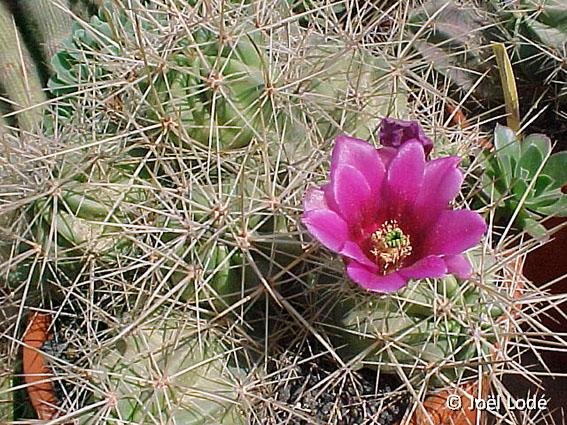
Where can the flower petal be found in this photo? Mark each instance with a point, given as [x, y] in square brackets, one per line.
[458, 265]
[405, 176]
[441, 183]
[350, 193]
[353, 251]
[387, 154]
[372, 281]
[314, 199]
[454, 232]
[431, 266]
[327, 227]
[360, 155]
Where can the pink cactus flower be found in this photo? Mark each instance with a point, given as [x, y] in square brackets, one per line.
[390, 218]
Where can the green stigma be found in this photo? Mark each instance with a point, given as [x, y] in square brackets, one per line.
[390, 246]
[395, 238]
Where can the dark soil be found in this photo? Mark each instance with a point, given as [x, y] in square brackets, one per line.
[312, 389]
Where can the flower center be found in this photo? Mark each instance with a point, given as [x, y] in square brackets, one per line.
[390, 246]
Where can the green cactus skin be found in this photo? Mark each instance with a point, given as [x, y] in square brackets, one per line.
[220, 89]
[225, 90]
[169, 372]
[87, 218]
[330, 87]
[19, 77]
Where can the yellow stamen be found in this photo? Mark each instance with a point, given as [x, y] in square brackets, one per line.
[390, 246]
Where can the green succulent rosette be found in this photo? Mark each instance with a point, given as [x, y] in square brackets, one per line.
[524, 179]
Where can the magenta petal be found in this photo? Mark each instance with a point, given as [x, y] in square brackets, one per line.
[454, 232]
[405, 175]
[432, 266]
[350, 192]
[458, 265]
[360, 155]
[386, 154]
[327, 227]
[441, 183]
[353, 251]
[372, 281]
[314, 200]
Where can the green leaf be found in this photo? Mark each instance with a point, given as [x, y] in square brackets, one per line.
[542, 183]
[507, 151]
[540, 141]
[558, 208]
[508, 80]
[556, 168]
[534, 228]
[529, 163]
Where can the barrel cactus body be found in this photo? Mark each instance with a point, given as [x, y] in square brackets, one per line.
[221, 91]
[195, 108]
[85, 216]
[231, 84]
[169, 371]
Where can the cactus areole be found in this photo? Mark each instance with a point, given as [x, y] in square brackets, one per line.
[387, 211]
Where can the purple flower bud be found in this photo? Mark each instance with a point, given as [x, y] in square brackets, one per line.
[395, 133]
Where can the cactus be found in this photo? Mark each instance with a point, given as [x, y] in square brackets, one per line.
[86, 217]
[458, 37]
[190, 192]
[141, 220]
[168, 371]
[231, 205]
[18, 75]
[222, 89]
[433, 332]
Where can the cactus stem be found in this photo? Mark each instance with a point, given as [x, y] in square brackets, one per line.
[18, 77]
